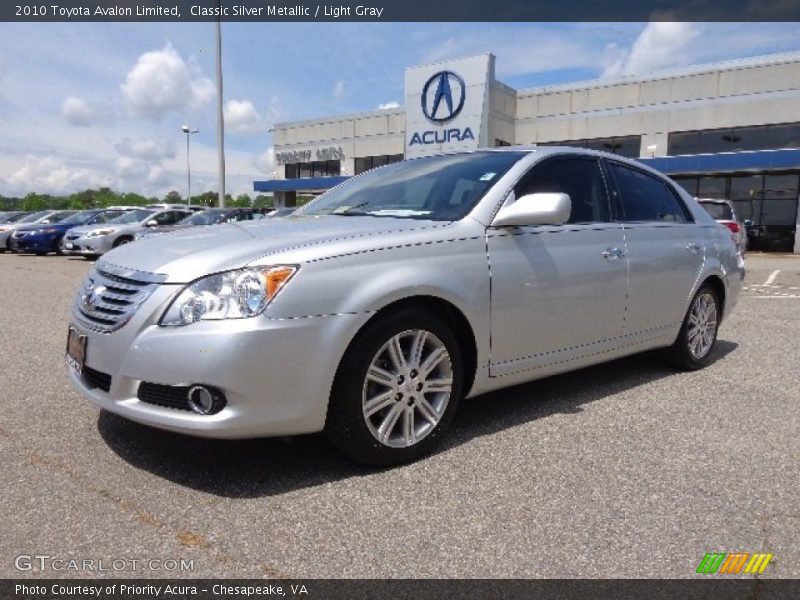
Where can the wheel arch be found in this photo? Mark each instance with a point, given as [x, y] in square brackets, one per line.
[443, 309]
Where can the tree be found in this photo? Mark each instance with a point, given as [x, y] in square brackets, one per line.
[173, 198]
[264, 201]
[242, 200]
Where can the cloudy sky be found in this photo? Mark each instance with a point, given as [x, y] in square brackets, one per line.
[87, 105]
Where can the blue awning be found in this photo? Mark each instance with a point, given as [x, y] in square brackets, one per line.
[314, 184]
[726, 162]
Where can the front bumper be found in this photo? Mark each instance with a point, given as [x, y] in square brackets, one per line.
[89, 246]
[33, 243]
[275, 373]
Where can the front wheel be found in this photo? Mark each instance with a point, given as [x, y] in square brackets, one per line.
[692, 350]
[396, 390]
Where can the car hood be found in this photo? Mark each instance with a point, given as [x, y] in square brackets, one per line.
[197, 251]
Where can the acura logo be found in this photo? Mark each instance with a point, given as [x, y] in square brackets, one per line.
[443, 96]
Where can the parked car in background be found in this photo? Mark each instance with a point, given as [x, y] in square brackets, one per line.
[189, 207]
[41, 217]
[11, 216]
[45, 238]
[282, 212]
[722, 211]
[211, 216]
[93, 240]
[372, 311]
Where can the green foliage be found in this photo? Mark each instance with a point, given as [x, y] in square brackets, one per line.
[264, 201]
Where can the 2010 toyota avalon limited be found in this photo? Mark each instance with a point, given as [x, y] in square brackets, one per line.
[372, 311]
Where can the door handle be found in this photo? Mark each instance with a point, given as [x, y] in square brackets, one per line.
[693, 247]
[613, 253]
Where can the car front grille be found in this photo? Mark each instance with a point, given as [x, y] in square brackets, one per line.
[170, 396]
[110, 296]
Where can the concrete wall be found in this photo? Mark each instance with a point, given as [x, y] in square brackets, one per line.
[733, 94]
[365, 134]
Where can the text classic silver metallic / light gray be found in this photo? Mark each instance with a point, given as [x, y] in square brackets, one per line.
[372, 311]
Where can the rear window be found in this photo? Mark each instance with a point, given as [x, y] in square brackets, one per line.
[718, 211]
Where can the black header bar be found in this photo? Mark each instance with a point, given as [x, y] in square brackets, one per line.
[399, 10]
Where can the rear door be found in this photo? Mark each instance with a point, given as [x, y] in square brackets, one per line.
[666, 251]
[558, 292]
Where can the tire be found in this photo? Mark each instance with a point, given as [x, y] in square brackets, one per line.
[409, 420]
[690, 352]
[121, 241]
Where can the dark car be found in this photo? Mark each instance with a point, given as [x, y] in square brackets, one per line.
[211, 216]
[44, 238]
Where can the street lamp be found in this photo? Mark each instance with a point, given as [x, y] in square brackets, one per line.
[188, 131]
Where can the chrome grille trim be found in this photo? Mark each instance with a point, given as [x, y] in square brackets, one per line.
[121, 293]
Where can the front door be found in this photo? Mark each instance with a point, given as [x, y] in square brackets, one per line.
[558, 292]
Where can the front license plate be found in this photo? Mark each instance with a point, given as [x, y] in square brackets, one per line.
[69, 245]
[76, 350]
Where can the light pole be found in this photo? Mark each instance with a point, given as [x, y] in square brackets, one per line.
[188, 131]
[220, 117]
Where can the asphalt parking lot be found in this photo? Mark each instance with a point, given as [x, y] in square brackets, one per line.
[623, 470]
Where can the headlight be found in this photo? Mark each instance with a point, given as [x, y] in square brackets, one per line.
[99, 232]
[231, 295]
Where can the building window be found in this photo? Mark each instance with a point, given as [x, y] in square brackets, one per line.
[500, 143]
[365, 163]
[307, 170]
[734, 139]
[628, 146]
[768, 200]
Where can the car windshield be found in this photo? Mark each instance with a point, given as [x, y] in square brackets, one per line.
[15, 218]
[207, 217]
[78, 218]
[32, 218]
[718, 210]
[134, 216]
[60, 216]
[438, 188]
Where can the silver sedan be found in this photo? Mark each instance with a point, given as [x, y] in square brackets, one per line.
[372, 311]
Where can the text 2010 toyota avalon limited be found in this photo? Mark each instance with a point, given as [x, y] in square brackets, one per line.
[373, 310]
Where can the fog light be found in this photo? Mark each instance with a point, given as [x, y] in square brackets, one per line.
[204, 400]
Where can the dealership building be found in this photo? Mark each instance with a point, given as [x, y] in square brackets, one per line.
[724, 130]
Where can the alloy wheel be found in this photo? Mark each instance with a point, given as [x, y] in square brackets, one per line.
[407, 388]
[702, 327]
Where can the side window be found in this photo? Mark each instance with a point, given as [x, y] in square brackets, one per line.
[647, 198]
[580, 178]
[169, 217]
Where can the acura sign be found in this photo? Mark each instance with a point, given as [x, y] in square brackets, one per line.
[446, 105]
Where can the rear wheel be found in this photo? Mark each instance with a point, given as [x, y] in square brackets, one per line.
[693, 348]
[396, 390]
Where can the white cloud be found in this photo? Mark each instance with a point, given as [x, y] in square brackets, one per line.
[161, 82]
[660, 45]
[147, 149]
[265, 162]
[388, 105]
[339, 90]
[78, 112]
[50, 175]
[242, 117]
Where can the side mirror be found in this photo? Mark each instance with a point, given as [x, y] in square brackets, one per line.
[151, 223]
[748, 223]
[535, 209]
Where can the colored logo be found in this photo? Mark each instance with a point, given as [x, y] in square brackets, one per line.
[734, 562]
[443, 96]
